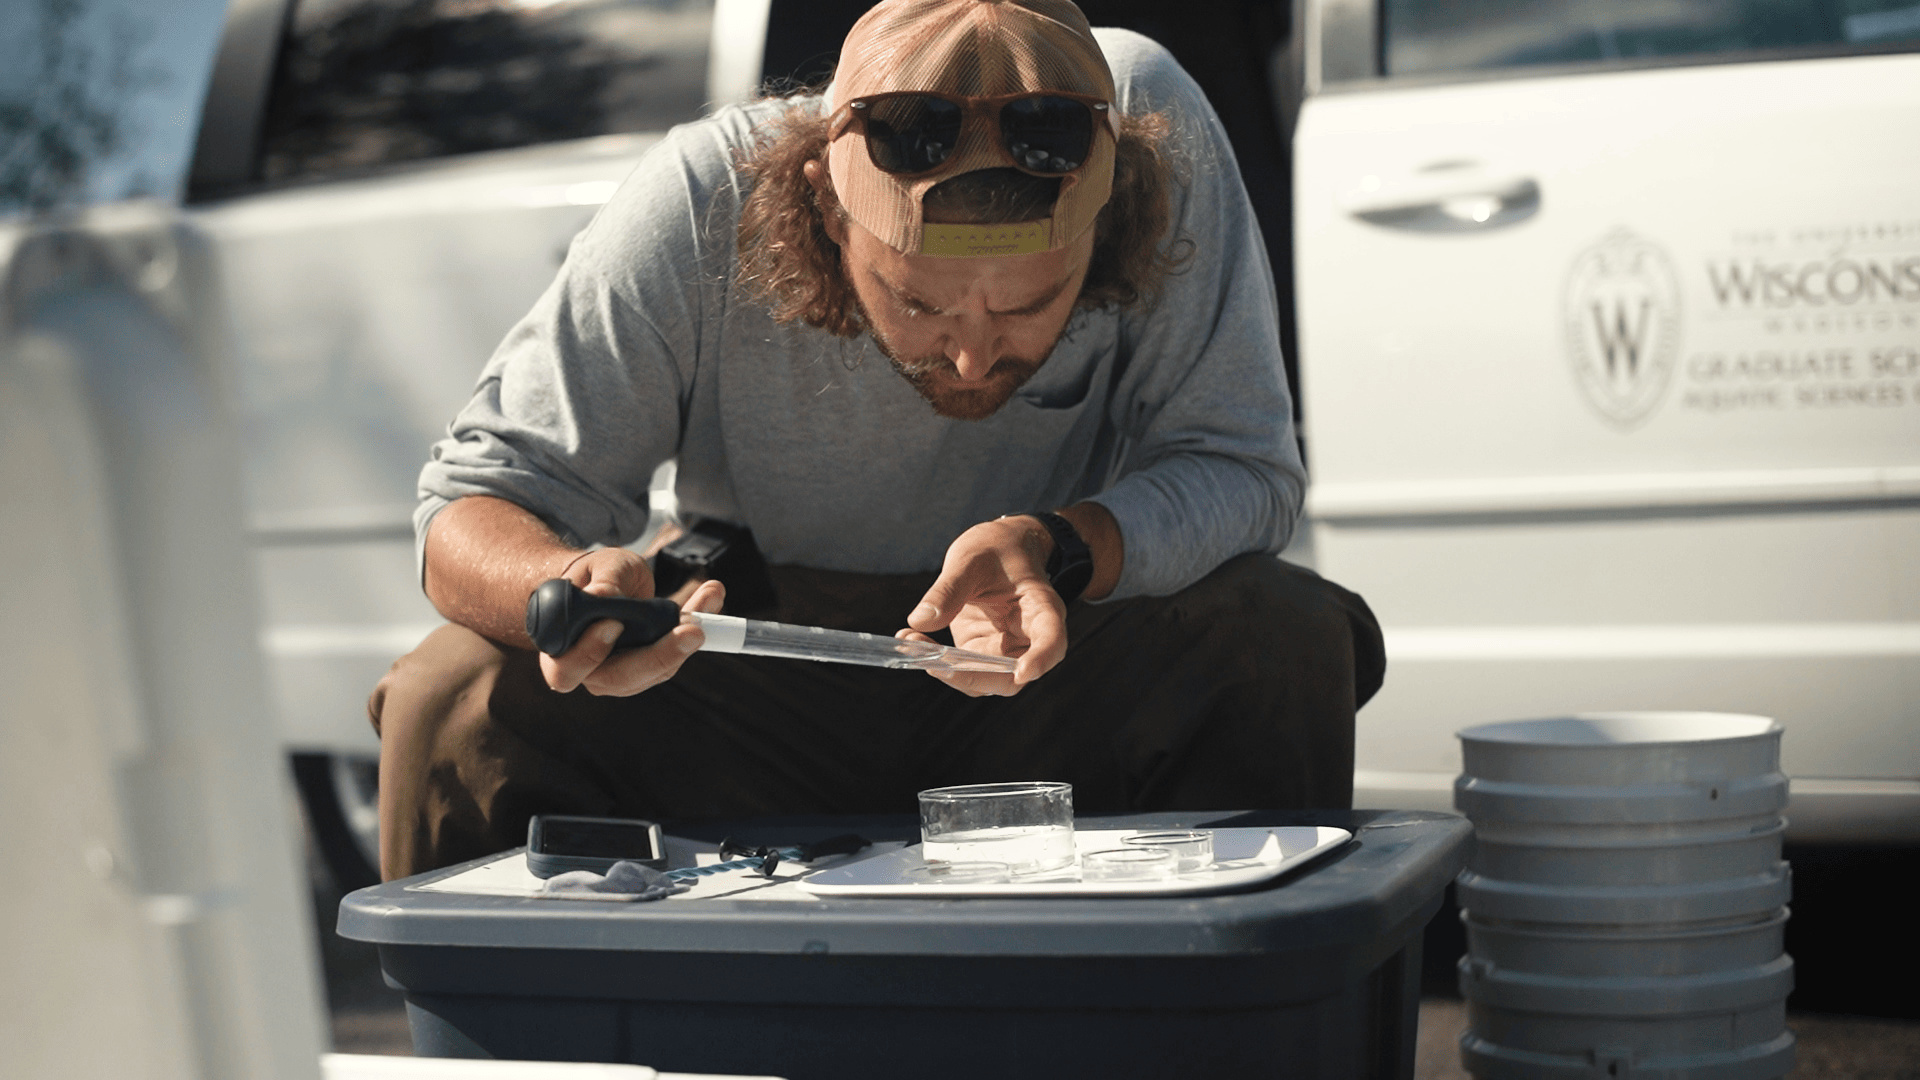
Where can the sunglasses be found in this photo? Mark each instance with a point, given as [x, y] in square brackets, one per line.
[908, 134]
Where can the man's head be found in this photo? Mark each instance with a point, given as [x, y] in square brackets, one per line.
[952, 192]
[930, 90]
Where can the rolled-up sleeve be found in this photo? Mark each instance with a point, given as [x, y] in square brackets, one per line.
[586, 395]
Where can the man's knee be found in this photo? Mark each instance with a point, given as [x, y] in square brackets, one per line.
[419, 709]
[1281, 610]
[443, 666]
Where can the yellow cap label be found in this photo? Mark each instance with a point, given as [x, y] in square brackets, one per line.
[982, 241]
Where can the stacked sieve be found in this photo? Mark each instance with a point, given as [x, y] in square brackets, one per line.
[1626, 901]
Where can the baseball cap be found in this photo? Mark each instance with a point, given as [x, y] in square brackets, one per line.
[969, 50]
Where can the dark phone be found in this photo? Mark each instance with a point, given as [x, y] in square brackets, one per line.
[557, 843]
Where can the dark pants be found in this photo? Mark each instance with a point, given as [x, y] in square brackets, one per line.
[1238, 692]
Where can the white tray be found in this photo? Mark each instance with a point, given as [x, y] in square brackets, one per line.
[1241, 857]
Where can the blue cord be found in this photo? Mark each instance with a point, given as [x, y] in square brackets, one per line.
[791, 854]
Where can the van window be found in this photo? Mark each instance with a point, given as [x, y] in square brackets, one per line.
[1435, 36]
[362, 83]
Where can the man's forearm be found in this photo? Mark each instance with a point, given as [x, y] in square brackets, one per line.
[1189, 513]
[484, 556]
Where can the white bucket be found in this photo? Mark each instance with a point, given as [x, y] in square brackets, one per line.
[1625, 902]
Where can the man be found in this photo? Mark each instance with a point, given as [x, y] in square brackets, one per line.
[981, 340]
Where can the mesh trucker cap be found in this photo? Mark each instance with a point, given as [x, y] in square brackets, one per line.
[969, 49]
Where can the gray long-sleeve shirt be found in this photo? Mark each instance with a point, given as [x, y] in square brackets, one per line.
[1175, 417]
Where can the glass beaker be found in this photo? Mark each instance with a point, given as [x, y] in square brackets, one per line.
[1026, 824]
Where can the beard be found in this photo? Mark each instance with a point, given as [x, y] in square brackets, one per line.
[932, 377]
[929, 374]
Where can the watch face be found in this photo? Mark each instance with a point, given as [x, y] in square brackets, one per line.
[1072, 579]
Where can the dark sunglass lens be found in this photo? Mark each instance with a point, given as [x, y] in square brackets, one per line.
[1047, 134]
[910, 133]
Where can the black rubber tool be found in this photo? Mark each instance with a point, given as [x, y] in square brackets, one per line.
[558, 613]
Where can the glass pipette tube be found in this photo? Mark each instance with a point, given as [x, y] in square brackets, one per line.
[730, 633]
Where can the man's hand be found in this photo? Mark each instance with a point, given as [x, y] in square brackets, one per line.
[993, 592]
[592, 663]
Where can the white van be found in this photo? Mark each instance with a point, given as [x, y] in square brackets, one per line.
[1610, 351]
[391, 185]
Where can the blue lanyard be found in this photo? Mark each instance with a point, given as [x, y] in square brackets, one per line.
[764, 859]
[762, 863]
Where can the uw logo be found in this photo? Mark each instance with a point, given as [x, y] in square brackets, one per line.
[1621, 313]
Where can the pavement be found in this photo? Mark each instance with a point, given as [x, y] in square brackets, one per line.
[1830, 1047]
[369, 1017]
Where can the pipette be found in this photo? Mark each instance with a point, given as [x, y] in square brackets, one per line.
[558, 612]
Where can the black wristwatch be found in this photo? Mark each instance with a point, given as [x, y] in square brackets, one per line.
[1070, 567]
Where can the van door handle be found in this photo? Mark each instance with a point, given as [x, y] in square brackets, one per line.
[1447, 196]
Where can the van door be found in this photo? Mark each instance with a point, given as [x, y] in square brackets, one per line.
[1610, 345]
[412, 183]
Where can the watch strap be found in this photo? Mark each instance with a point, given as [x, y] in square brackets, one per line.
[1070, 566]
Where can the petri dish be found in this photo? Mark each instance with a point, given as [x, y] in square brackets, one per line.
[1193, 850]
[959, 873]
[1128, 864]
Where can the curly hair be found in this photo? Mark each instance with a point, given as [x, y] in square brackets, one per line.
[787, 258]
